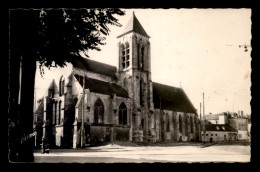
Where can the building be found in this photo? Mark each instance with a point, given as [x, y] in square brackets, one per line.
[115, 103]
[249, 131]
[219, 132]
[241, 125]
[237, 120]
[220, 118]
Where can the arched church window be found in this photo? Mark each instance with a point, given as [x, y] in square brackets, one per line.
[125, 56]
[54, 113]
[59, 117]
[61, 85]
[196, 122]
[180, 123]
[99, 112]
[142, 58]
[142, 122]
[122, 114]
[174, 121]
[122, 49]
[141, 92]
[167, 123]
[186, 123]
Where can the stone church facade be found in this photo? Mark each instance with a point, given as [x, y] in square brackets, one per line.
[115, 104]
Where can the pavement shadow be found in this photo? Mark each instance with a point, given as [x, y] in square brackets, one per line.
[208, 145]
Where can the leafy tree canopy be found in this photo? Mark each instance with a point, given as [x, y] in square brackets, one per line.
[54, 36]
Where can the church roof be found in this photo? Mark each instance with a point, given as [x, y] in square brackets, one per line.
[94, 66]
[171, 98]
[134, 25]
[102, 87]
[219, 127]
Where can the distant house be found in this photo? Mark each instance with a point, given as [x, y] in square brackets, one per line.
[241, 125]
[219, 132]
[220, 118]
[237, 120]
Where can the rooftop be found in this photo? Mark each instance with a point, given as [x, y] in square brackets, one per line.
[219, 127]
[102, 87]
[94, 66]
[134, 25]
[171, 98]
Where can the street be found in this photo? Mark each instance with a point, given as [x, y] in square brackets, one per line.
[149, 154]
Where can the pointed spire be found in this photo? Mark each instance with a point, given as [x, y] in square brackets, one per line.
[134, 25]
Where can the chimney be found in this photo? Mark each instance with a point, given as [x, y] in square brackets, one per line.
[238, 114]
[242, 113]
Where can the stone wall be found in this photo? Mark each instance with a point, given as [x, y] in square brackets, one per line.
[167, 126]
[239, 123]
[104, 131]
[243, 135]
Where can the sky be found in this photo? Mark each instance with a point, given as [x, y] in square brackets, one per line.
[196, 49]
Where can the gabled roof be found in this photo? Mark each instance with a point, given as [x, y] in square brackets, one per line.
[134, 25]
[171, 98]
[213, 116]
[102, 87]
[219, 127]
[94, 66]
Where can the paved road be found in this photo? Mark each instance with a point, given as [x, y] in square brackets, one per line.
[149, 154]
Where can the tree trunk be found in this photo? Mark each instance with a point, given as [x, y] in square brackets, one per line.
[21, 115]
[24, 25]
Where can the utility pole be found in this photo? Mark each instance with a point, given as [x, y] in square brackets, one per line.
[200, 111]
[82, 117]
[204, 129]
[200, 121]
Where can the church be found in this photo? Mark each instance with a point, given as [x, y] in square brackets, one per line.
[97, 102]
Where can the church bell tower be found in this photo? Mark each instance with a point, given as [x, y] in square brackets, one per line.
[134, 75]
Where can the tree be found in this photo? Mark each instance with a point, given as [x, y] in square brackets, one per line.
[52, 37]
